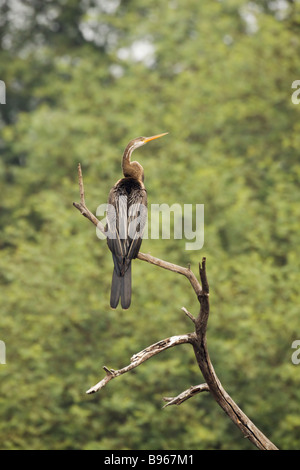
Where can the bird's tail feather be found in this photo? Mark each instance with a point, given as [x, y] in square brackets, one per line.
[115, 289]
[121, 287]
[126, 289]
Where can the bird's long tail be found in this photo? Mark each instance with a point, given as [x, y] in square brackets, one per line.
[121, 287]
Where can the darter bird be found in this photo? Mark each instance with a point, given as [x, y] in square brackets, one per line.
[126, 218]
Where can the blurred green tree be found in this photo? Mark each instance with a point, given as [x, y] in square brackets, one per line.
[83, 78]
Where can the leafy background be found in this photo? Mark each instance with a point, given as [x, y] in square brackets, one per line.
[82, 79]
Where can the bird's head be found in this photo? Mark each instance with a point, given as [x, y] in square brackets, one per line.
[134, 169]
[139, 141]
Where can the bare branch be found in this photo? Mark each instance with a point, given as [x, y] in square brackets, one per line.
[205, 365]
[81, 187]
[203, 277]
[197, 339]
[141, 357]
[82, 207]
[202, 319]
[188, 314]
[175, 268]
[189, 393]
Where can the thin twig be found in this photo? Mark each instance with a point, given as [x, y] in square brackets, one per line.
[188, 314]
[81, 187]
[189, 393]
[82, 206]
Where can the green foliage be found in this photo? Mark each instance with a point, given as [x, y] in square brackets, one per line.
[218, 77]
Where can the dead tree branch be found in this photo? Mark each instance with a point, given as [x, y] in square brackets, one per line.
[139, 358]
[81, 205]
[197, 339]
[189, 393]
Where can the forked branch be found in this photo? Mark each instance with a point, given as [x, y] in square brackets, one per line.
[197, 339]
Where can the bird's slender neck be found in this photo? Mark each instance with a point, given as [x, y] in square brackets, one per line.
[126, 163]
[131, 169]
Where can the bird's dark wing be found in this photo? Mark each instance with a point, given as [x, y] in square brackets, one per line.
[116, 209]
[126, 219]
[137, 218]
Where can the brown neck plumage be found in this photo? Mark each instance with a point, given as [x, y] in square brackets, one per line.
[131, 169]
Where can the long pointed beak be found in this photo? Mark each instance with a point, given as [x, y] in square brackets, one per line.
[147, 139]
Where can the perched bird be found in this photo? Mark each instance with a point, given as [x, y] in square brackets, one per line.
[126, 218]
